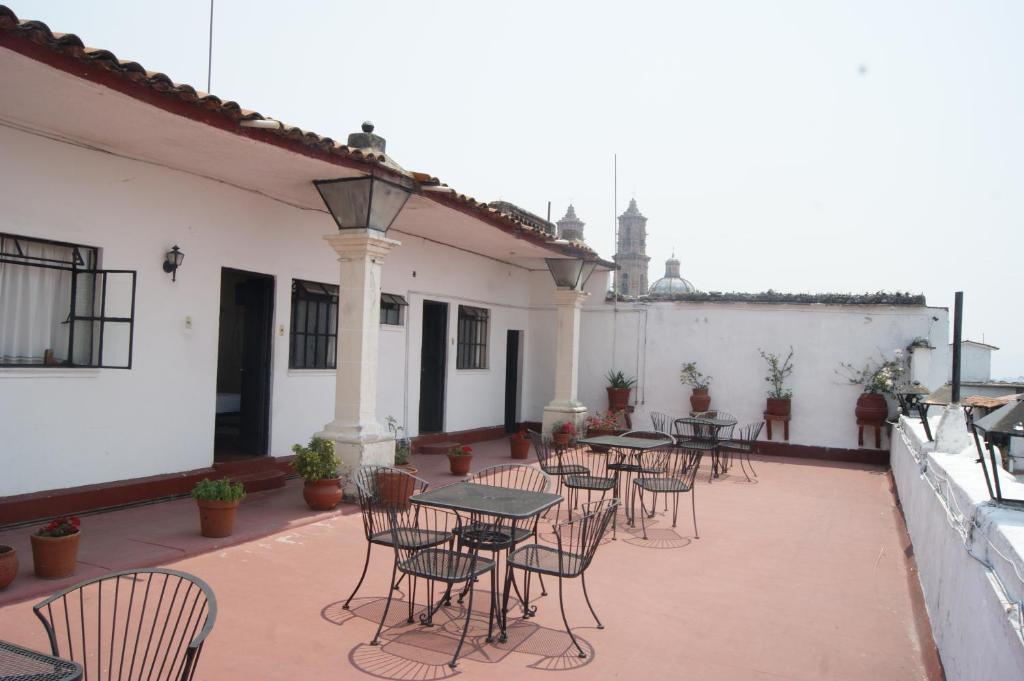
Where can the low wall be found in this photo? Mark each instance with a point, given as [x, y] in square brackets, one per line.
[969, 556]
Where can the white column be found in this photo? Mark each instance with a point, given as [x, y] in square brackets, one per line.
[565, 406]
[358, 437]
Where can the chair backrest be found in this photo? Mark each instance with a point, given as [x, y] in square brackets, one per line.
[416, 529]
[748, 432]
[661, 422]
[381, 487]
[683, 464]
[514, 476]
[582, 535]
[546, 454]
[694, 429]
[137, 624]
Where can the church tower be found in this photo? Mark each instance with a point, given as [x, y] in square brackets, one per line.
[631, 253]
[570, 227]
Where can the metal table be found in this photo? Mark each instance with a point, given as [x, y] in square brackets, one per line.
[627, 447]
[502, 503]
[714, 446]
[23, 664]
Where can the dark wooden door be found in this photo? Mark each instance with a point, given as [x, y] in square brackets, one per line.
[256, 296]
[433, 363]
[511, 379]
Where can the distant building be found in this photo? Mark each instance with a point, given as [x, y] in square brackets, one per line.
[631, 253]
[570, 227]
[672, 283]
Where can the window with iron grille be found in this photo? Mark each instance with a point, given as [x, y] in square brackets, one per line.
[472, 339]
[58, 309]
[392, 309]
[314, 335]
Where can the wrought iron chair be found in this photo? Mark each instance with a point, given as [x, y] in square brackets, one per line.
[679, 472]
[378, 488]
[661, 422]
[145, 623]
[577, 542]
[744, 443]
[557, 462]
[432, 563]
[699, 433]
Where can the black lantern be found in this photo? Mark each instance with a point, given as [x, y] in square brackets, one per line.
[570, 273]
[911, 399]
[997, 429]
[172, 261]
[364, 202]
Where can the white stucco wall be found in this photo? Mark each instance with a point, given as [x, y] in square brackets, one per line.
[975, 363]
[969, 557]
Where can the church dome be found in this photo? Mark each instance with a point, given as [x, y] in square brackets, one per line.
[671, 283]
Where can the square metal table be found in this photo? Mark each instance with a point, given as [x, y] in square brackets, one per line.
[713, 446]
[627, 447]
[25, 664]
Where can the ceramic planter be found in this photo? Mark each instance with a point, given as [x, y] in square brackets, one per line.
[778, 407]
[395, 488]
[618, 399]
[322, 495]
[459, 465]
[871, 407]
[561, 439]
[700, 400]
[55, 557]
[217, 518]
[520, 447]
[8, 565]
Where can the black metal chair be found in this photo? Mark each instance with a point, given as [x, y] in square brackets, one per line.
[487, 534]
[378, 488]
[557, 462]
[577, 542]
[699, 433]
[661, 422]
[145, 624]
[744, 443]
[432, 563]
[677, 476]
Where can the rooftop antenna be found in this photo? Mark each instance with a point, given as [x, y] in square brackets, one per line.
[209, 52]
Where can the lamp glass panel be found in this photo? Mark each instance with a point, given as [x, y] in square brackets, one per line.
[588, 269]
[386, 203]
[348, 201]
[176, 257]
[565, 271]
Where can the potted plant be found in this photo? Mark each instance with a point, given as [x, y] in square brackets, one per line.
[520, 445]
[55, 548]
[779, 397]
[403, 447]
[700, 400]
[562, 432]
[8, 565]
[459, 459]
[317, 465]
[602, 423]
[877, 379]
[217, 501]
[395, 488]
[618, 389]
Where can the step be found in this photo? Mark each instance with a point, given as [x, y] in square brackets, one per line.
[261, 480]
[436, 447]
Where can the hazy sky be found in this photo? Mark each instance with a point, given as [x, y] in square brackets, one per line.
[798, 146]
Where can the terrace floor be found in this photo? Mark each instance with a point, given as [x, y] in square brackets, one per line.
[802, 574]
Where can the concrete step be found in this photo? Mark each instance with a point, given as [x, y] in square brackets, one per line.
[436, 447]
[261, 480]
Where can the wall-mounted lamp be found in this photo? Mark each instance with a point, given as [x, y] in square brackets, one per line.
[570, 273]
[172, 261]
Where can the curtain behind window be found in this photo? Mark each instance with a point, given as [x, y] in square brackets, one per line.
[34, 304]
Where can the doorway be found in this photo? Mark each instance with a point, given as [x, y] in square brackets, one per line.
[245, 337]
[513, 364]
[433, 364]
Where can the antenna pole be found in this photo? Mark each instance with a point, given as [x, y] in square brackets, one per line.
[209, 52]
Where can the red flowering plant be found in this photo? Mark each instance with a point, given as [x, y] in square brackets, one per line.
[461, 450]
[564, 427]
[603, 420]
[519, 435]
[60, 527]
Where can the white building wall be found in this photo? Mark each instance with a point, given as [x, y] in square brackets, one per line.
[975, 363]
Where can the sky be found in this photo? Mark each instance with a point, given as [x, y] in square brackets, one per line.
[794, 146]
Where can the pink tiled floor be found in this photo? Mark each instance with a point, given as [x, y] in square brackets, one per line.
[801, 575]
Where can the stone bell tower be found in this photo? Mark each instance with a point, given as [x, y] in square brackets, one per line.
[570, 227]
[631, 253]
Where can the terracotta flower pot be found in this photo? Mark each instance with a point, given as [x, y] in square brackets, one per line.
[520, 447]
[700, 400]
[8, 565]
[618, 399]
[778, 407]
[394, 488]
[459, 465]
[55, 557]
[217, 518]
[561, 439]
[871, 407]
[322, 495]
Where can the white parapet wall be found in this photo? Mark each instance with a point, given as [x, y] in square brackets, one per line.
[970, 556]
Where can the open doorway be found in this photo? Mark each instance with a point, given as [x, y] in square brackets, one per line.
[243, 365]
[433, 363]
[513, 374]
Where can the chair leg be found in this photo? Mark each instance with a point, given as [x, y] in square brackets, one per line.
[366, 564]
[506, 592]
[643, 521]
[751, 463]
[675, 508]
[387, 606]
[583, 578]
[693, 503]
[465, 627]
[543, 589]
[565, 620]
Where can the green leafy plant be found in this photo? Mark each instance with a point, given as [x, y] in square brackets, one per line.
[218, 490]
[403, 447]
[689, 375]
[316, 461]
[778, 371]
[59, 527]
[617, 379]
[876, 377]
[461, 450]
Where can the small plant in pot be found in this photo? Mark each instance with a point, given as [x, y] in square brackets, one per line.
[218, 502]
[618, 389]
[602, 423]
[55, 548]
[779, 397]
[8, 565]
[877, 381]
[317, 465]
[393, 487]
[700, 400]
[459, 459]
[403, 447]
[562, 432]
[520, 445]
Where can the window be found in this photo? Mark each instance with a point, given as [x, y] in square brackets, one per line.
[58, 309]
[391, 309]
[472, 345]
[314, 336]
[624, 283]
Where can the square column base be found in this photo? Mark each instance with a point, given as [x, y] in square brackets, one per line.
[576, 413]
[355, 453]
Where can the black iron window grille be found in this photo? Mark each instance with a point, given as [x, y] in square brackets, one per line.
[472, 340]
[57, 308]
[392, 309]
[314, 332]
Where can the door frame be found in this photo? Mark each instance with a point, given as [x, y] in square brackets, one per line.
[443, 388]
